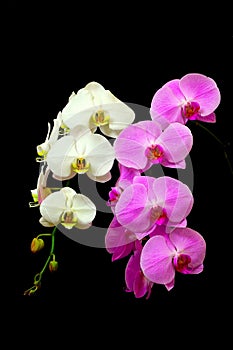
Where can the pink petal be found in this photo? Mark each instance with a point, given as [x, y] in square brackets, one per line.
[175, 197]
[123, 251]
[130, 153]
[176, 141]
[131, 270]
[131, 143]
[211, 118]
[203, 90]
[126, 176]
[131, 210]
[117, 236]
[174, 86]
[189, 242]
[177, 165]
[148, 183]
[170, 285]
[156, 261]
[141, 285]
[166, 106]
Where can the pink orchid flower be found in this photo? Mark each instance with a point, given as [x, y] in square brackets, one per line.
[119, 241]
[183, 250]
[143, 144]
[149, 202]
[135, 279]
[193, 97]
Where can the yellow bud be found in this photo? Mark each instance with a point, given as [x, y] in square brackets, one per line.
[37, 244]
[53, 265]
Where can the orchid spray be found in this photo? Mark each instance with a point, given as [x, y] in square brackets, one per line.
[149, 224]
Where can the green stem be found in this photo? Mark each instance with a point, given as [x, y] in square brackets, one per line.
[38, 276]
[220, 142]
[51, 251]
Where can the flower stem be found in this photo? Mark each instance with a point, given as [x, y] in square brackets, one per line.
[220, 142]
[38, 276]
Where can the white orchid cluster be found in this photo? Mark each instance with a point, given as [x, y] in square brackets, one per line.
[77, 144]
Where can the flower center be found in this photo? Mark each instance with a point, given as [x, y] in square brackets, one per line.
[154, 153]
[80, 166]
[100, 118]
[190, 110]
[181, 263]
[68, 220]
[158, 214]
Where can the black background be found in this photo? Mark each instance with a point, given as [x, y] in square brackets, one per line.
[54, 50]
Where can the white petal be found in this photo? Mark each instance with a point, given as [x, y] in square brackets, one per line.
[85, 209]
[99, 95]
[61, 156]
[102, 179]
[53, 206]
[55, 131]
[45, 223]
[78, 110]
[100, 154]
[82, 226]
[120, 116]
[109, 132]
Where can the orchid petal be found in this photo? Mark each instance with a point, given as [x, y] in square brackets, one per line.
[117, 236]
[210, 118]
[131, 270]
[103, 178]
[174, 196]
[203, 90]
[61, 156]
[176, 141]
[53, 206]
[166, 107]
[156, 261]
[131, 210]
[84, 208]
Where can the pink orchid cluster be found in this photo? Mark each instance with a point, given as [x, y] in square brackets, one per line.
[149, 224]
[150, 214]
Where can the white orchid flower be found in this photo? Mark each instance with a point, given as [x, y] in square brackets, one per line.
[51, 138]
[81, 152]
[68, 208]
[93, 106]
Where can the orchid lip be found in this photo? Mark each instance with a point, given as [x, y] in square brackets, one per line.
[154, 153]
[80, 165]
[68, 219]
[190, 110]
[100, 118]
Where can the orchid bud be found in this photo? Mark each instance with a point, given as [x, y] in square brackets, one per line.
[53, 265]
[37, 244]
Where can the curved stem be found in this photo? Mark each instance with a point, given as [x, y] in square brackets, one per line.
[38, 276]
[220, 142]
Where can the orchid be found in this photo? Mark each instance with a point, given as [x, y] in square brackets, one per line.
[193, 97]
[149, 226]
[145, 143]
[81, 152]
[68, 208]
[183, 250]
[95, 107]
[149, 202]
